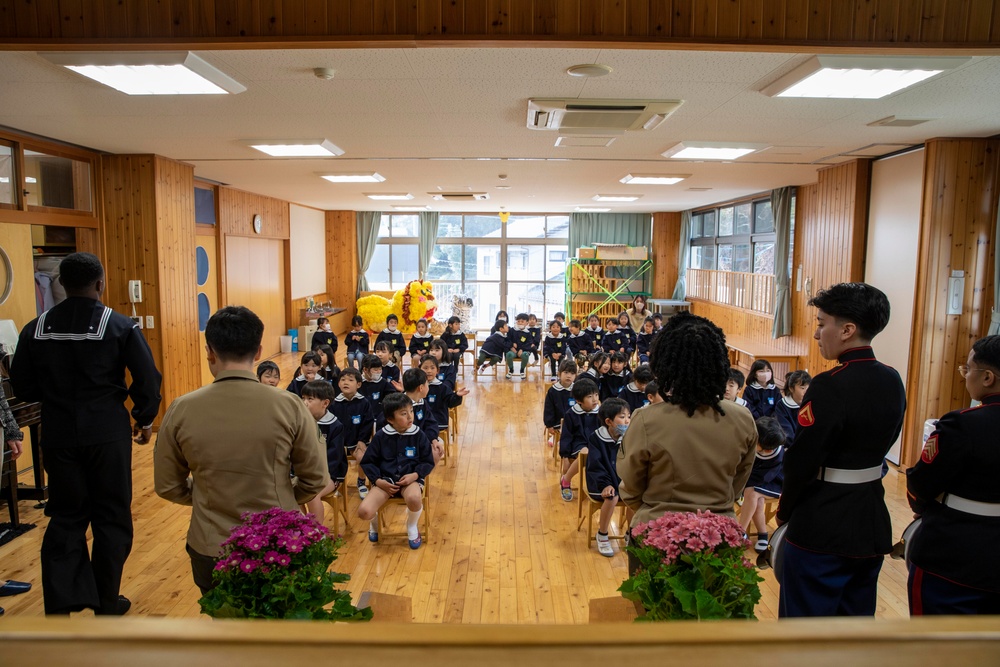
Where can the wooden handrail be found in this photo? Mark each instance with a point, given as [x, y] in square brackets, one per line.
[748, 291]
[194, 642]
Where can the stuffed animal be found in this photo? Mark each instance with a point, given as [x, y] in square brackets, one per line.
[461, 307]
[413, 302]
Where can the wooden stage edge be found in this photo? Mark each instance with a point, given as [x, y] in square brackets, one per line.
[194, 642]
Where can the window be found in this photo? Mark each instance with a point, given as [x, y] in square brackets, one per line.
[396, 260]
[7, 179]
[54, 181]
[736, 237]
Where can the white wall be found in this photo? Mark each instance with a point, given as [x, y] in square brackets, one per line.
[891, 259]
[308, 251]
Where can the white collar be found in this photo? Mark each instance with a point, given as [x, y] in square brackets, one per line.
[740, 401]
[769, 455]
[787, 400]
[418, 403]
[342, 398]
[580, 411]
[524, 328]
[434, 381]
[302, 378]
[593, 329]
[634, 388]
[417, 335]
[328, 418]
[561, 335]
[578, 335]
[605, 435]
[391, 431]
[386, 330]
[592, 372]
[755, 385]
[389, 363]
[558, 387]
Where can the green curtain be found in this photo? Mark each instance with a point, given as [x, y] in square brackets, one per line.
[683, 253]
[634, 229]
[428, 238]
[368, 223]
[995, 317]
[781, 206]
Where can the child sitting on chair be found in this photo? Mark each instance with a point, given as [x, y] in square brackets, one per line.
[309, 368]
[494, 348]
[765, 478]
[398, 460]
[393, 337]
[420, 343]
[578, 423]
[355, 412]
[317, 395]
[554, 348]
[635, 391]
[558, 400]
[268, 373]
[602, 476]
[441, 395]
[787, 409]
[356, 342]
[733, 386]
[390, 370]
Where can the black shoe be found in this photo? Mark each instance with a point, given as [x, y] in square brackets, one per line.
[1, 611]
[124, 604]
[14, 588]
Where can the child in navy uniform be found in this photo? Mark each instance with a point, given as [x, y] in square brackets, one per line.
[502, 316]
[643, 340]
[761, 394]
[390, 371]
[447, 371]
[598, 366]
[398, 460]
[657, 322]
[653, 393]
[494, 348]
[786, 411]
[309, 368]
[420, 343]
[595, 332]
[578, 423]
[416, 388]
[561, 319]
[625, 328]
[268, 373]
[328, 368]
[602, 475]
[374, 386]
[765, 478]
[559, 399]
[614, 340]
[953, 488]
[441, 395]
[733, 386]
[520, 345]
[554, 348]
[356, 342]
[355, 412]
[634, 393]
[613, 383]
[317, 395]
[393, 337]
[579, 343]
[455, 338]
[536, 334]
[324, 335]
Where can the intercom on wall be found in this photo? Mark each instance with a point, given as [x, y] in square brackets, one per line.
[135, 291]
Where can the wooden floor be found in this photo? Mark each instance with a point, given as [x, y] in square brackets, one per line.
[503, 546]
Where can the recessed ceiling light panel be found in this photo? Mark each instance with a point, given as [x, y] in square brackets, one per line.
[297, 148]
[411, 208]
[653, 179]
[858, 77]
[149, 72]
[591, 209]
[388, 196]
[616, 197]
[369, 177]
[711, 150]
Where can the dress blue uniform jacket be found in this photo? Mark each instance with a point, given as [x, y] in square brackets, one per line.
[356, 415]
[393, 455]
[332, 431]
[850, 417]
[602, 452]
[558, 400]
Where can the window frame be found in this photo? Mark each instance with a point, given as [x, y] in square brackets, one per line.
[697, 239]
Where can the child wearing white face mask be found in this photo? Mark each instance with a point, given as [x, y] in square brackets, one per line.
[602, 477]
[761, 394]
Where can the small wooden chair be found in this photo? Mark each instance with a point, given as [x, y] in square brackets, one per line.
[443, 434]
[593, 506]
[453, 421]
[496, 370]
[338, 504]
[426, 518]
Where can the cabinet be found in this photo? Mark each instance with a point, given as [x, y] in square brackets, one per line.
[604, 287]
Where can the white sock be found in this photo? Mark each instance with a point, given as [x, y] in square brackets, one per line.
[373, 525]
[411, 523]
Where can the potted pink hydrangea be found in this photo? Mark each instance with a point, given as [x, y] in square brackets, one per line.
[275, 564]
[692, 566]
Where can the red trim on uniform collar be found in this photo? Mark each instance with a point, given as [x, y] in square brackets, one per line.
[863, 353]
[991, 399]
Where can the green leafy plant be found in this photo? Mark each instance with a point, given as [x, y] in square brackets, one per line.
[275, 564]
[692, 566]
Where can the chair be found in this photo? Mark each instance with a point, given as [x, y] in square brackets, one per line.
[496, 370]
[443, 434]
[426, 518]
[453, 421]
[338, 503]
[593, 506]
[554, 432]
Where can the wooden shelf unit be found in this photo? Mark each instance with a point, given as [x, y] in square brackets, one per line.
[604, 287]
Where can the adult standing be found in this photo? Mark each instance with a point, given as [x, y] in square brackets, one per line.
[638, 312]
[229, 447]
[72, 359]
[832, 498]
[693, 451]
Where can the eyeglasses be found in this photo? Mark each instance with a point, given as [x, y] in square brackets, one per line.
[964, 370]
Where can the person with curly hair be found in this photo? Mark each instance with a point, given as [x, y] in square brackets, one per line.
[691, 452]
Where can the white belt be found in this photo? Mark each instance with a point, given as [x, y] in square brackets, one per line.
[972, 506]
[843, 476]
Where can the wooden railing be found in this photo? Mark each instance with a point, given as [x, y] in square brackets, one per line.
[749, 291]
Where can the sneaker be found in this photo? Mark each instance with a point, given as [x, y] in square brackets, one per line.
[522, 375]
[760, 546]
[482, 369]
[509, 375]
[372, 535]
[362, 489]
[415, 544]
[553, 379]
[604, 547]
[566, 491]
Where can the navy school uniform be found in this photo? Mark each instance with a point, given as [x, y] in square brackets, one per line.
[355, 414]
[602, 452]
[564, 329]
[440, 397]
[332, 431]
[376, 392]
[423, 418]
[390, 371]
[295, 386]
[321, 337]
[456, 341]
[761, 400]
[554, 345]
[420, 345]
[356, 341]
[596, 337]
[642, 342]
[536, 337]
[496, 325]
[558, 400]
[612, 384]
[953, 553]
[580, 343]
[497, 345]
[786, 411]
[766, 475]
[448, 372]
[578, 424]
[850, 417]
[635, 397]
[592, 374]
[394, 339]
[630, 336]
[393, 455]
[522, 339]
[615, 342]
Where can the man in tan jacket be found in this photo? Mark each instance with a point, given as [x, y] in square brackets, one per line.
[229, 447]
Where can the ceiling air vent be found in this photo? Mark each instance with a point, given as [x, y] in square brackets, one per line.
[459, 196]
[893, 121]
[595, 117]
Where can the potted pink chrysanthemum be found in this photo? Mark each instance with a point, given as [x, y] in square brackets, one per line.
[692, 566]
[275, 564]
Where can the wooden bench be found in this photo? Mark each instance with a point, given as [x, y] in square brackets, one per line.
[743, 352]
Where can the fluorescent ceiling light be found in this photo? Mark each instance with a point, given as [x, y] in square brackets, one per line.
[711, 150]
[150, 72]
[616, 197]
[653, 179]
[388, 196]
[297, 148]
[411, 208]
[4, 179]
[858, 77]
[371, 177]
[30, 179]
[591, 209]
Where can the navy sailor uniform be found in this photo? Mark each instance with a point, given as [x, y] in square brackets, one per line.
[602, 452]
[613, 383]
[558, 399]
[393, 455]
[423, 418]
[394, 339]
[642, 342]
[766, 475]
[440, 397]
[356, 341]
[786, 411]
[332, 431]
[496, 346]
[761, 400]
[580, 343]
[596, 338]
[615, 342]
[390, 372]
[321, 337]
[355, 413]
[456, 341]
[295, 386]
[635, 397]
[420, 345]
[578, 424]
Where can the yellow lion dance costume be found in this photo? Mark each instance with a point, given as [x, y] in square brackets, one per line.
[412, 303]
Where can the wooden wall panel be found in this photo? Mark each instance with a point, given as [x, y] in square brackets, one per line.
[255, 278]
[237, 208]
[666, 237]
[743, 23]
[15, 239]
[957, 233]
[342, 259]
